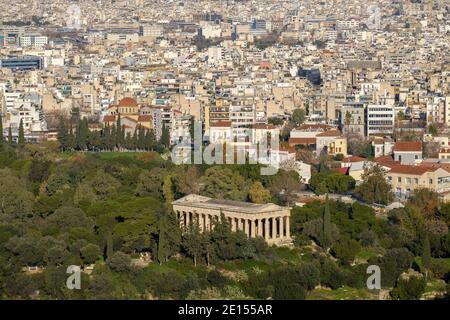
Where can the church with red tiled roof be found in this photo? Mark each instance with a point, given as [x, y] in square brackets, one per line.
[131, 116]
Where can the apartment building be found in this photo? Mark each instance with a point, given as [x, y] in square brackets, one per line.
[380, 119]
[353, 118]
[406, 178]
[408, 152]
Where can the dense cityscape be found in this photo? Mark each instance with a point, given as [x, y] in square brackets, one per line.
[197, 150]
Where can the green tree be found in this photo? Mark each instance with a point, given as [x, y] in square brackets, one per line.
[327, 238]
[21, 139]
[222, 183]
[10, 137]
[192, 242]
[409, 286]
[165, 137]
[90, 253]
[1, 132]
[374, 187]
[298, 117]
[168, 190]
[259, 194]
[426, 252]
[63, 138]
[119, 262]
[15, 200]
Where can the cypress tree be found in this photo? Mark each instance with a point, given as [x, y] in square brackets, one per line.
[10, 137]
[135, 139]
[118, 137]
[326, 225]
[141, 138]
[165, 137]
[109, 246]
[70, 138]
[426, 252]
[21, 134]
[62, 134]
[105, 137]
[1, 130]
[112, 140]
[162, 247]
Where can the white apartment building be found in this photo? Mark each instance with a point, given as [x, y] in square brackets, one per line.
[242, 118]
[154, 30]
[380, 119]
[347, 24]
[180, 129]
[33, 40]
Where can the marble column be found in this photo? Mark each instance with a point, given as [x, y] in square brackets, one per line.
[281, 227]
[188, 219]
[260, 228]
[288, 226]
[252, 228]
[266, 229]
[207, 222]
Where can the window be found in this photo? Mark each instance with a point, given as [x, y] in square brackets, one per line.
[431, 181]
[416, 157]
[408, 180]
[416, 181]
[399, 179]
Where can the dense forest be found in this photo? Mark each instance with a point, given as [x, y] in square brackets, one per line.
[110, 213]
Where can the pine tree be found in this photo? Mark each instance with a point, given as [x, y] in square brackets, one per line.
[21, 139]
[426, 252]
[326, 225]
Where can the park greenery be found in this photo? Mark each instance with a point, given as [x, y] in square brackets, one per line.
[110, 213]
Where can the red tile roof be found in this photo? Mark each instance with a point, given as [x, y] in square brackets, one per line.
[145, 118]
[222, 124]
[386, 161]
[128, 102]
[293, 141]
[314, 127]
[330, 133]
[109, 118]
[263, 126]
[412, 170]
[354, 159]
[405, 146]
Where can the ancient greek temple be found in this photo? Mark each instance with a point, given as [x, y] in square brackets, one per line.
[269, 221]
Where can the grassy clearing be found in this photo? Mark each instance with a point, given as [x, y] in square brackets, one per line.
[344, 293]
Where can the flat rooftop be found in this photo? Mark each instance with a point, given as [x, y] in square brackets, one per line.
[198, 201]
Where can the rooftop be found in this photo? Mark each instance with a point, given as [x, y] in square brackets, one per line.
[198, 201]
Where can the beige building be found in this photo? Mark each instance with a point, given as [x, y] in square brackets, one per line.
[269, 221]
[404, 179]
